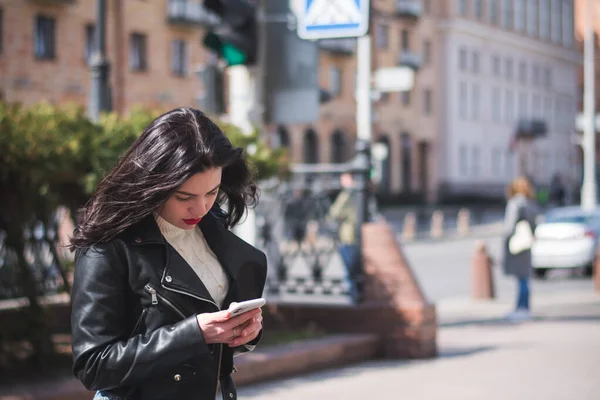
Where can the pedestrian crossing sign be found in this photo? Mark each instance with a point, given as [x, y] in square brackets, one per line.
[324, 19]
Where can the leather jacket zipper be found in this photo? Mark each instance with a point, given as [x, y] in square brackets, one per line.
[156, 296]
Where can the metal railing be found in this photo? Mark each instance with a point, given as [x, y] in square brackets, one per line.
[43, 258]
[310, 257]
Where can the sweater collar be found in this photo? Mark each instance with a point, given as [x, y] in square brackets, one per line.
[170, 231]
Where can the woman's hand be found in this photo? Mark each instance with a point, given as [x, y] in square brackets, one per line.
[219, 327]
[250, 330]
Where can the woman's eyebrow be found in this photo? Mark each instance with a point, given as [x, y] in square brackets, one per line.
[193, 194]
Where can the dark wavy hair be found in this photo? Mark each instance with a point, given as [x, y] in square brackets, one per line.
[175, 146]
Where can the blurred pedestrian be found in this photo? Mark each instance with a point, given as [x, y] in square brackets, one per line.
[557, 192]
[157, 267]
[519, 225]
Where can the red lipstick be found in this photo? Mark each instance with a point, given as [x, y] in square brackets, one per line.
[192, 221]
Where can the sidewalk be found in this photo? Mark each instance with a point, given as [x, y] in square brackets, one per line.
[555, 356]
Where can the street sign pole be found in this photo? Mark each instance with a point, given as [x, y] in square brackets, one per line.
[363, 89]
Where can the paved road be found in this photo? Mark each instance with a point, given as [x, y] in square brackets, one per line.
[557, 356]
[443, 269]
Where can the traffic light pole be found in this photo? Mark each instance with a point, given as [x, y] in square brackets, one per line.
[99, 99]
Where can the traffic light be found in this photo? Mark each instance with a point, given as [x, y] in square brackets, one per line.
[235, 39]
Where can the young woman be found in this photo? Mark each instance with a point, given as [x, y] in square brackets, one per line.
[156, 267]
[520, 207]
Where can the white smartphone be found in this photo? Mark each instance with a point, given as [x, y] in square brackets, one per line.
[245, 306]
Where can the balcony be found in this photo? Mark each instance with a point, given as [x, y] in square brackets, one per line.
[531, 128]
[408, 58]
[345, 46]
[186, 12]
[409, 8]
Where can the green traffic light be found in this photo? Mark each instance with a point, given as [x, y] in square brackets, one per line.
[231, 54]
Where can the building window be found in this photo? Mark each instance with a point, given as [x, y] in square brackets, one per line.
[404, 38]
[507, 14]
[475, 102]
[338, 147]
[382, 36]
[496, 161]
[179, 57]
[509, 163]
[137, 52]
[493, 11]
[523, 106]
[427, 102]
[406, 98]
[406, 143]
[532, 18]
[496, 66]
[462, 7]
[508, 68]
[45, 38]
[567, 23]
[544, 19]
[523, 72]
[427, 52]
[556, 20]
[475, 62]
[535, 75]
[463, 100]
[463, 160]
[479, 9]
[536, 106]
[548, 78]
[496, 106]
[475, 161]
[88, 50]
[311, 147]
[519, 15]
[509, 108]
[335, 78]
[462, 59]
[548, 110]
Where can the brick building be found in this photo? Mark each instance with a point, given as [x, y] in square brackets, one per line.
[481, 67]
[46, 46]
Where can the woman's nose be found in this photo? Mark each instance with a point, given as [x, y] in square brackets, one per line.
[199, 209]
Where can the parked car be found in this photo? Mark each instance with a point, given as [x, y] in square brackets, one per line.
[567, 237]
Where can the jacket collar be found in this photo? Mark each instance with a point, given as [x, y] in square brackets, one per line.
[177, 274]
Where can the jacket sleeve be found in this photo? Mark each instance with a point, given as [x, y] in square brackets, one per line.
[104, 354]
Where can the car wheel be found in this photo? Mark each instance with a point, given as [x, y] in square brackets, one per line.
[588, 271]
[540, 273]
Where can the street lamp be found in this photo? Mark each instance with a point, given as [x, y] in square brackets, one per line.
[99, 99]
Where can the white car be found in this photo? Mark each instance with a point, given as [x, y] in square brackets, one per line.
[567, 237]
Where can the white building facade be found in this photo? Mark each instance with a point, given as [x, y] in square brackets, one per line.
[503, 62]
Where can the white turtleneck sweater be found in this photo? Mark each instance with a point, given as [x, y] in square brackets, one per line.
[192, 246]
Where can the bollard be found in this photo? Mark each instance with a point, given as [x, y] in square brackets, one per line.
[437, 224]
[409, 226]
[462, 222]
[596, 271]
[482, 278]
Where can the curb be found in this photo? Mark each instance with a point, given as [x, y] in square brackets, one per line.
[274, 362]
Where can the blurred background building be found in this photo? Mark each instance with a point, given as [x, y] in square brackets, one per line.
[484, 68]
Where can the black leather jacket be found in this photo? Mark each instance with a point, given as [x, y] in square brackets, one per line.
[135, 301]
